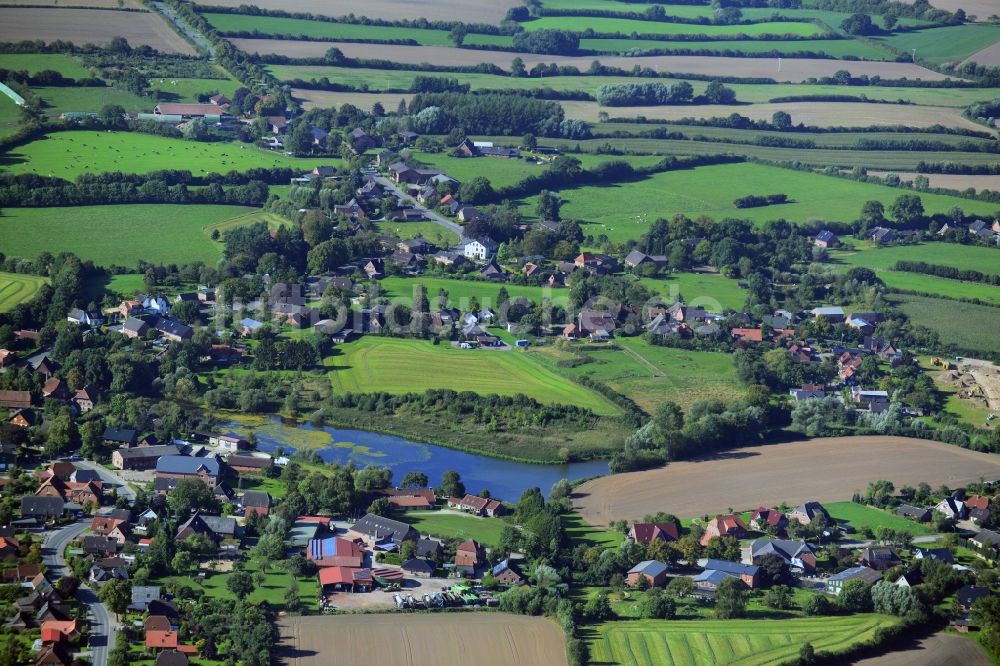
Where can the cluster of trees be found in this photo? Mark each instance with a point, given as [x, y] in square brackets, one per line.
[491, 113]
[645, 94]
[756, 201]
[552, 42]
[61, 193]
[967, 275]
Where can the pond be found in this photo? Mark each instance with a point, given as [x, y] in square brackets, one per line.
[503, 478]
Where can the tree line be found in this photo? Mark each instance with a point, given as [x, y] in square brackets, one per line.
[950, 272]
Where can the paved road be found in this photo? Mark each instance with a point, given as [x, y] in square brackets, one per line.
[110, 478]
[102, 624]
[195, 36]
[410, 201]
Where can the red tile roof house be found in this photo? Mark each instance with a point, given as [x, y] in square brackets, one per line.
[720, 526]
[256, 501]
[647, 533]
[747, 334]
[771, 521]
[480, 506]
[654, 571]
[56, 631]
[468, 556]
[334, 552]
[346, 579]
[161, 640]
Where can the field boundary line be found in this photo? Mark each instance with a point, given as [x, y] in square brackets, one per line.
[645, 361]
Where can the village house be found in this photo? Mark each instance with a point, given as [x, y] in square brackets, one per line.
[647, 533]
[256, 502]
[381, 532]
[229, 442]
[826, 239]
[480, 506]
[418, 568]
[798, 555]
[479, 248]
[832, 313]
[880, 558]
[507, 573]
[207, 470]
[919, 514]
[835, 583]
[42, 507]
[86, 398]
[249, 464]
[119, 437]
[469, 556]
[808, 512]
[653, 571]
[142, 457]
[986, 540]
[718, 570]
[978, 507]
[15, 399]
[407, 499]
[771, 521]
[334, 552]
[731, 525]
[952, 508]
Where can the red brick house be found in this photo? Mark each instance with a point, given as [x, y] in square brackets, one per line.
[731, 525]
[647, 533]
[480, 506]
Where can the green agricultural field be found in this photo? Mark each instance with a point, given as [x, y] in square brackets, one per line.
[90, 100]
[964, 325]
[274, 222]
[929, 284]
[382, 79]
[429, 231]
[709, 290]
[10, 116]
[33, 63]
[401, 366]
[183, 90]
[947, 44]
[624, 211]
[68, 154]
[835, 48]
[16, 288]
[460, 292]
[120, 235]
[650, 375]
[964, 257]
[630, 26]
[860, 517]
[744, 642]
[820, 139]
[265, 25]
[456, 526]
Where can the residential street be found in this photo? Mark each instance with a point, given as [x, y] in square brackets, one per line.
[102, 625]
[410, 201]
[110, 478]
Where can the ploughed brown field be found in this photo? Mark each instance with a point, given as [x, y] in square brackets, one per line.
[825, 469]
[936, 650]
[428, 639]
[97, 4]
[324, 99]
[90, 26]
[795, 70]
[981, 9]
[467, 11]
[990, 56]
[814, 114]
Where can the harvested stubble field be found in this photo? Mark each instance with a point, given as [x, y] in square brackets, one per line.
[812, 114]
[90, 26]
[834, 48]
[824, 470]
[795, 70]
[746, 642]
[989, 56]
[950, 181]
[266, 25]
[325, 99]
[939, 649]
[465, 11]
[96, 4]
[16, 288]
[425, 639]
[980, 9]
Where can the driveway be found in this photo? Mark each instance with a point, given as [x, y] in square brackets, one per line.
[102, 624]
[111, 478]
[410, 201]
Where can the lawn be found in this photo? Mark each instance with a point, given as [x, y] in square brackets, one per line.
[33, 63]
[430, 231]
[16, 288]
[125, 285]
[120, 235]
[746, 642]
[272, 591]
[930, 284]
[964, 325]
[579, 532]
[397, 365]
[964, 257]
[651, 375]
[624, 211]
[274, 222]
[860, 516]
[947, 44]
[325, 29]
[607, 26]
[708, 290]
[456, 526]
[460, 292]
[68, 154]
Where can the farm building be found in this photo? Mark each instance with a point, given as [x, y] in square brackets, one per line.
[653, 571]
[334, 552]
[835, 583]
[346, 579]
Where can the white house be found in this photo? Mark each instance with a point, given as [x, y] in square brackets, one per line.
[476, 248]
[952, 508]
[155, 305]
[84, 318]
[229, 442]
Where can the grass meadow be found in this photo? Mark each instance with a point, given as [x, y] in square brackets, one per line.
[16, 288]
[929, 284]
[745, 642]
[966, 325]
[835, 48]
[276, 581]
[623, 211]
[10, 116]
[860, 517]
[33, 63]
[325, 29]
[397, 365]
[964, 257]
[946, 44]
[456, 526]
[603, 25]
[429, 231]
[116, 235]
[68, 154]
[704, 289]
